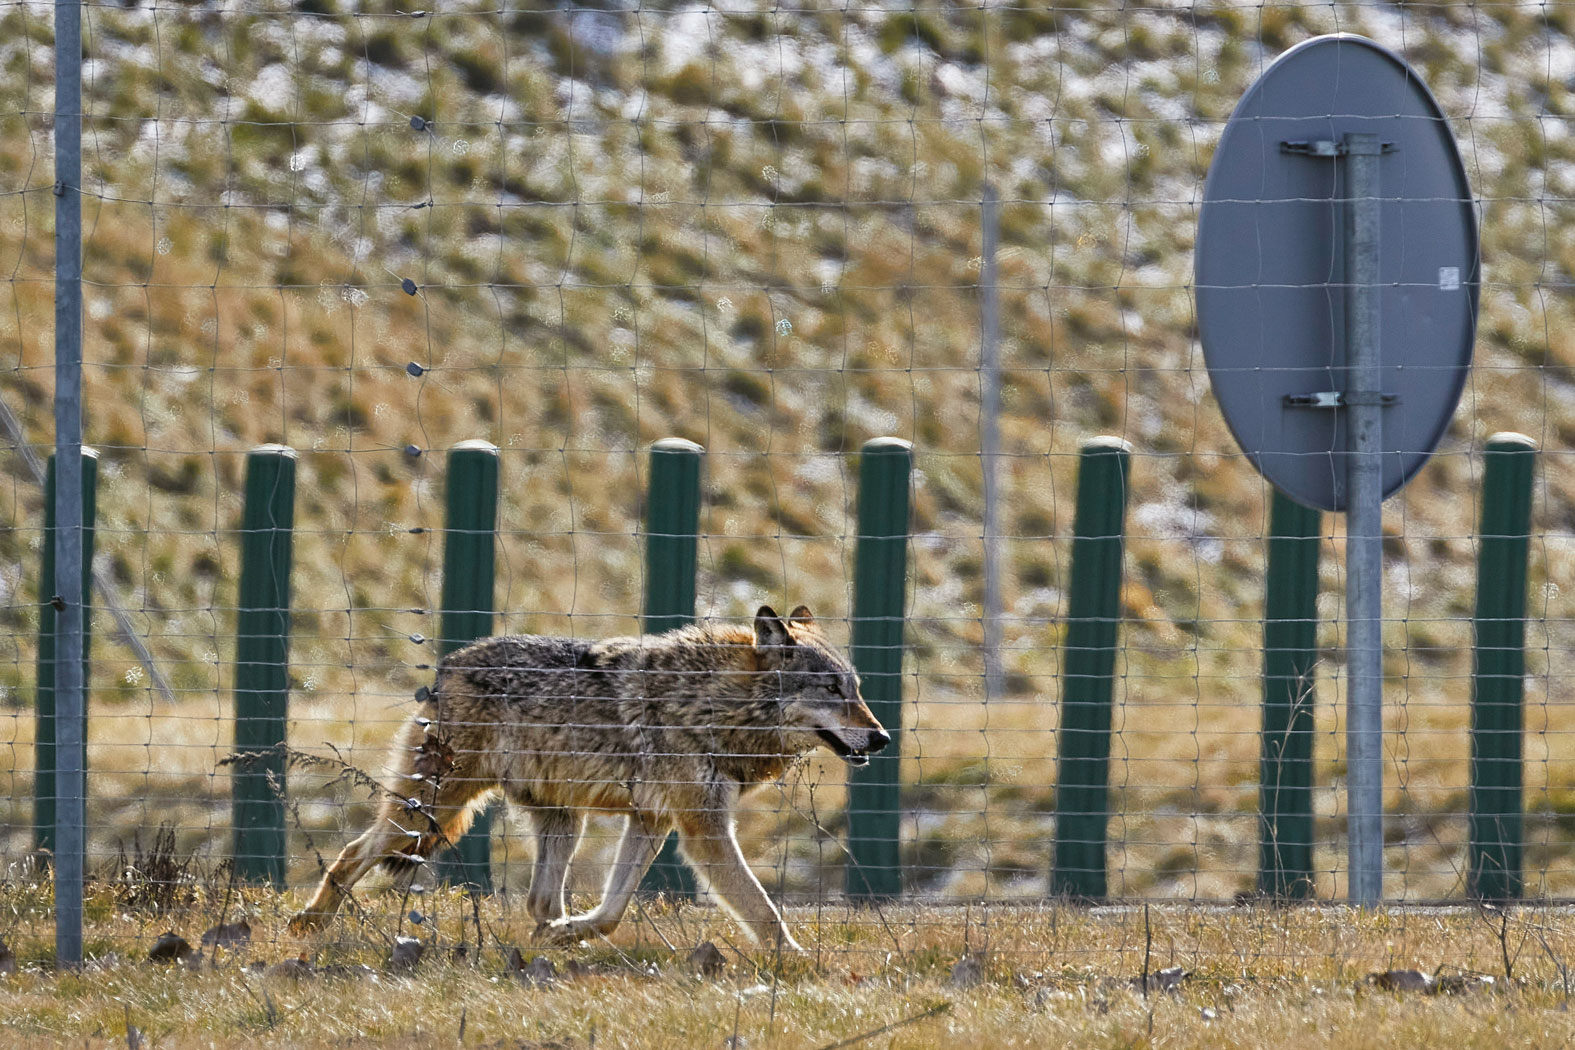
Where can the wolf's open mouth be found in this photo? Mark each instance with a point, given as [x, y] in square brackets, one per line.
[852, 756]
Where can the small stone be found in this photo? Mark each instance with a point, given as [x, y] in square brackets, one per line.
[346, 971]
[1208, 1013]
[1403, 981]
[707, 960]
[1166, 980]
[1045, 997]
[289, 970]
[540, 972]
[1462, 984]
[228, 935]
[966, 972]
[170, 947]
[406, 954]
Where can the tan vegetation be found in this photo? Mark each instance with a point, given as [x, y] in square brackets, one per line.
[996, 976]
[758, 230]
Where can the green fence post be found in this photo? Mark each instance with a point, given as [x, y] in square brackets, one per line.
[1495, 872]
[880, 585]
[1285, 764]
[262, 664]
[1082, 796]
[44, 733]
[672, 530]
[469, 568]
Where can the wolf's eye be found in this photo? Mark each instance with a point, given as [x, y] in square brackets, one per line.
[834, 686]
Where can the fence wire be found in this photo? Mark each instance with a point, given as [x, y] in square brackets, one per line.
[370, 233]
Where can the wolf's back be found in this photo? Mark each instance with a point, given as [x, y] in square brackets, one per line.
[518, 653]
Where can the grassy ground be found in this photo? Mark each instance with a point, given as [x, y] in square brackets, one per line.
[908, 976]
[758, 229]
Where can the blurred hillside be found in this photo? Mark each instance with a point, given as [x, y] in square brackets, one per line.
[758, 229]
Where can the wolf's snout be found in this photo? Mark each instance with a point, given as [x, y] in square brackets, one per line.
[879, 738]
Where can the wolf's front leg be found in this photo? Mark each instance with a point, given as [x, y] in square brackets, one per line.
[711, 848]
[557, 837]
[636, 850]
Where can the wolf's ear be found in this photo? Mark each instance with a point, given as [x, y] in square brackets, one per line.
[771, 634]
[801, 617]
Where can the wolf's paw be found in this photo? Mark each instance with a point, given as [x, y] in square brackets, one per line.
[305, 922]
[571, 931]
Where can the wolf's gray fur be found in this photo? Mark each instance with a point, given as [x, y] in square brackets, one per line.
[669, 730]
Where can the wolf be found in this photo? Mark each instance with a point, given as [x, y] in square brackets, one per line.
[669, 730]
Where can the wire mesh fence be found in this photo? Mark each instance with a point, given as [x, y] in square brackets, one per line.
[371, 234]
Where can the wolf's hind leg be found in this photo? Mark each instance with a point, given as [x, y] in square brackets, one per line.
[354, 861]
[558, 833]
[414, 821]
[711, 848]
[641, 841]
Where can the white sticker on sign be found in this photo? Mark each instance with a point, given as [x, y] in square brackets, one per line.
[1449, 278]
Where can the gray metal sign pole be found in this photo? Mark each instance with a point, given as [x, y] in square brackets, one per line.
[1340, 419]
[1363, 523]
[70, 723]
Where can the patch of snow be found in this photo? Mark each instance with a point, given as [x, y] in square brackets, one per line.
[602, 32]
[273, 88]
[1173, 517]
[399, 89]
[688, 36]
[820, 470]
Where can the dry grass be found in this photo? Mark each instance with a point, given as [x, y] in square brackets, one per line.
[1045, 976]
[778, 261]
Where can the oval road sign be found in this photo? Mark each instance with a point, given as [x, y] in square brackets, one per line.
[1270, 265]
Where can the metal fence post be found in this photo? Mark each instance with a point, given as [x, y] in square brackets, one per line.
[1364, 539]
[1290, 635]
[262, 664]
[469, 567]
[1499, 669]
[70, 686]
[990, 441]
[880, 585]
[672, 530]
[1082, 795]
[44, 788]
